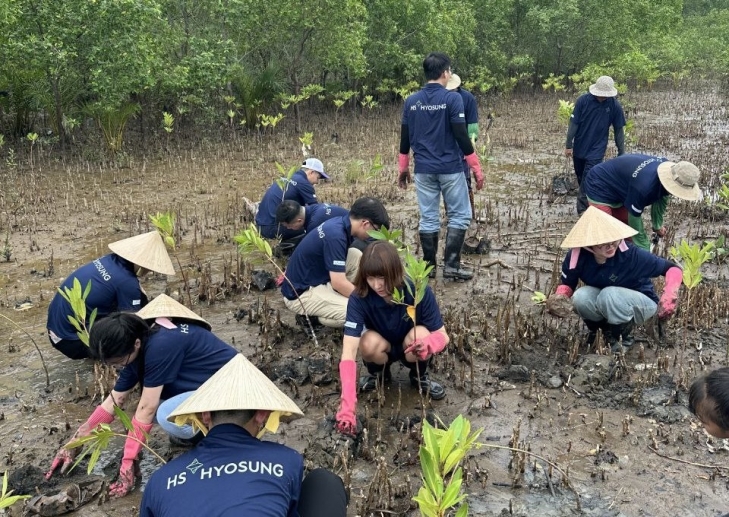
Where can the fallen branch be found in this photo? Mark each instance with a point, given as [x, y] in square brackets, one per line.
[688, 462]
[493, 263]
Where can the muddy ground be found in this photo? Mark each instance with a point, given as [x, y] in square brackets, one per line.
[627, 443]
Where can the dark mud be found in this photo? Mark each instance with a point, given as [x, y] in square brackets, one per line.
[621, 433]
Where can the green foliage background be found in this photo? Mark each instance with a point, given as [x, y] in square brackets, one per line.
[64, 60]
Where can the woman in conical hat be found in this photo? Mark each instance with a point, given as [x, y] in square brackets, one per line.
[115, 286]
[169, 351]
[232, 469]
[618, 291]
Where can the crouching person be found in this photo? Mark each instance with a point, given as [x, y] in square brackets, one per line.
[618, 291]
[231, 469]
[384, 333]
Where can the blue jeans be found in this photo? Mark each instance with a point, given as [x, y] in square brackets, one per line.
[617, 305]
[168, 406]
[455, 194]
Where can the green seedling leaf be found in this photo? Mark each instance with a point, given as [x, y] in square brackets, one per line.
[452, 495]
[433, 479]
[123, 418]
[539, 298]
[462, 511]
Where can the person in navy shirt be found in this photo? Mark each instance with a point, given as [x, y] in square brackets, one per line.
[319, 274]
[294, 217]
[384, 333]
[232, 470]
[114, 287]
[617, 290]
[300, 188]
[169, 357]
[470, 109]
[587, 134]
[434, 126]
[624, 186]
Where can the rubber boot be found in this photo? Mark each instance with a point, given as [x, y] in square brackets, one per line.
[429, 243]
[618, 332]
[593, 327]
[454, 244]
[423, 383]
[625, 334]
[377, 374]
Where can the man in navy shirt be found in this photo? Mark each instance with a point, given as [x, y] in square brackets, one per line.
[471, 111]
[617, 290]
[300, 188]
[294, 217]
[231, 469]
[624, 186]
[434, 126]
[114, 287]
[587, 135]
[320, 272]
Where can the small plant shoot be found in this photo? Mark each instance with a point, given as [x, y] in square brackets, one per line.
[76, 298]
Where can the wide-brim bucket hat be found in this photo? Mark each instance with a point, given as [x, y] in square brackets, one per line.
[165, 307]
[147, 250]
[680, 179]
[596, 227]
[238, 385]
[453, 82]
[604, 87]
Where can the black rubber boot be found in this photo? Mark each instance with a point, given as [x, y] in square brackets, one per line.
[377, 372]
[432, 388]
[593, 327]
[620, 332]
[625, 334]
[454, 244]
[429, 243]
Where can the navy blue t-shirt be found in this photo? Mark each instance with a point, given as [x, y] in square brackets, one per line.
[630, 180]
[632, 269]
[321, 251]
[229, 473]
[114, 287]
[390, 320]
[298, 188]
[428, 114]
[180, 359]
[320, 212]
[594, 119]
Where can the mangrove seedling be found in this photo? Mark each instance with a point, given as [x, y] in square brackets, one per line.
[168, 122]
[692, 258]
[283, 181]
[539, 298]
[306, 142]
[440, 456]
[564, 112]
[7, 499]
[164, 222]
[250, 242]
[76, 298]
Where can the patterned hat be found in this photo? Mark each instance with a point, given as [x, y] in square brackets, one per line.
[146, 250]
[596, 227]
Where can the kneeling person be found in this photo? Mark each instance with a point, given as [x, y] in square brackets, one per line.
[295, 218]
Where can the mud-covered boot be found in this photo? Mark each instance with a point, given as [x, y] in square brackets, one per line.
[593, 327]
[454, 244]
[625, 335]
[619, 337]
[377, 373]
[429, 243]
[423, 383]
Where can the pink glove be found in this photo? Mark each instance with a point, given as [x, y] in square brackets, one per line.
[667, 303]
[129, 468]
[427, 346]
[403, 177]
[64, 457]
[280, 279]
[475, 165]
[564, 290]
[346, 419]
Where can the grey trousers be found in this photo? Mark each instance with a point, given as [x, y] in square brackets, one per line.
[615, 304]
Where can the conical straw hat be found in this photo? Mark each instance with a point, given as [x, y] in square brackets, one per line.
[596, 227]
[147, 250]
[237, 385]
[165, 307]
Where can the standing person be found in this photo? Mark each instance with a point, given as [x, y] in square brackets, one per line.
[300, 188]
[471, 111]
[320, 272]
[169, 351]
[617, 291]
[587, 134]
[232, 470]
[624, 186]
[294, 217]
[383, 333]
[434, 126]
[114, 287]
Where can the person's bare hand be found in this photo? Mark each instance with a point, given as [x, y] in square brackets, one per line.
[568, 152]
